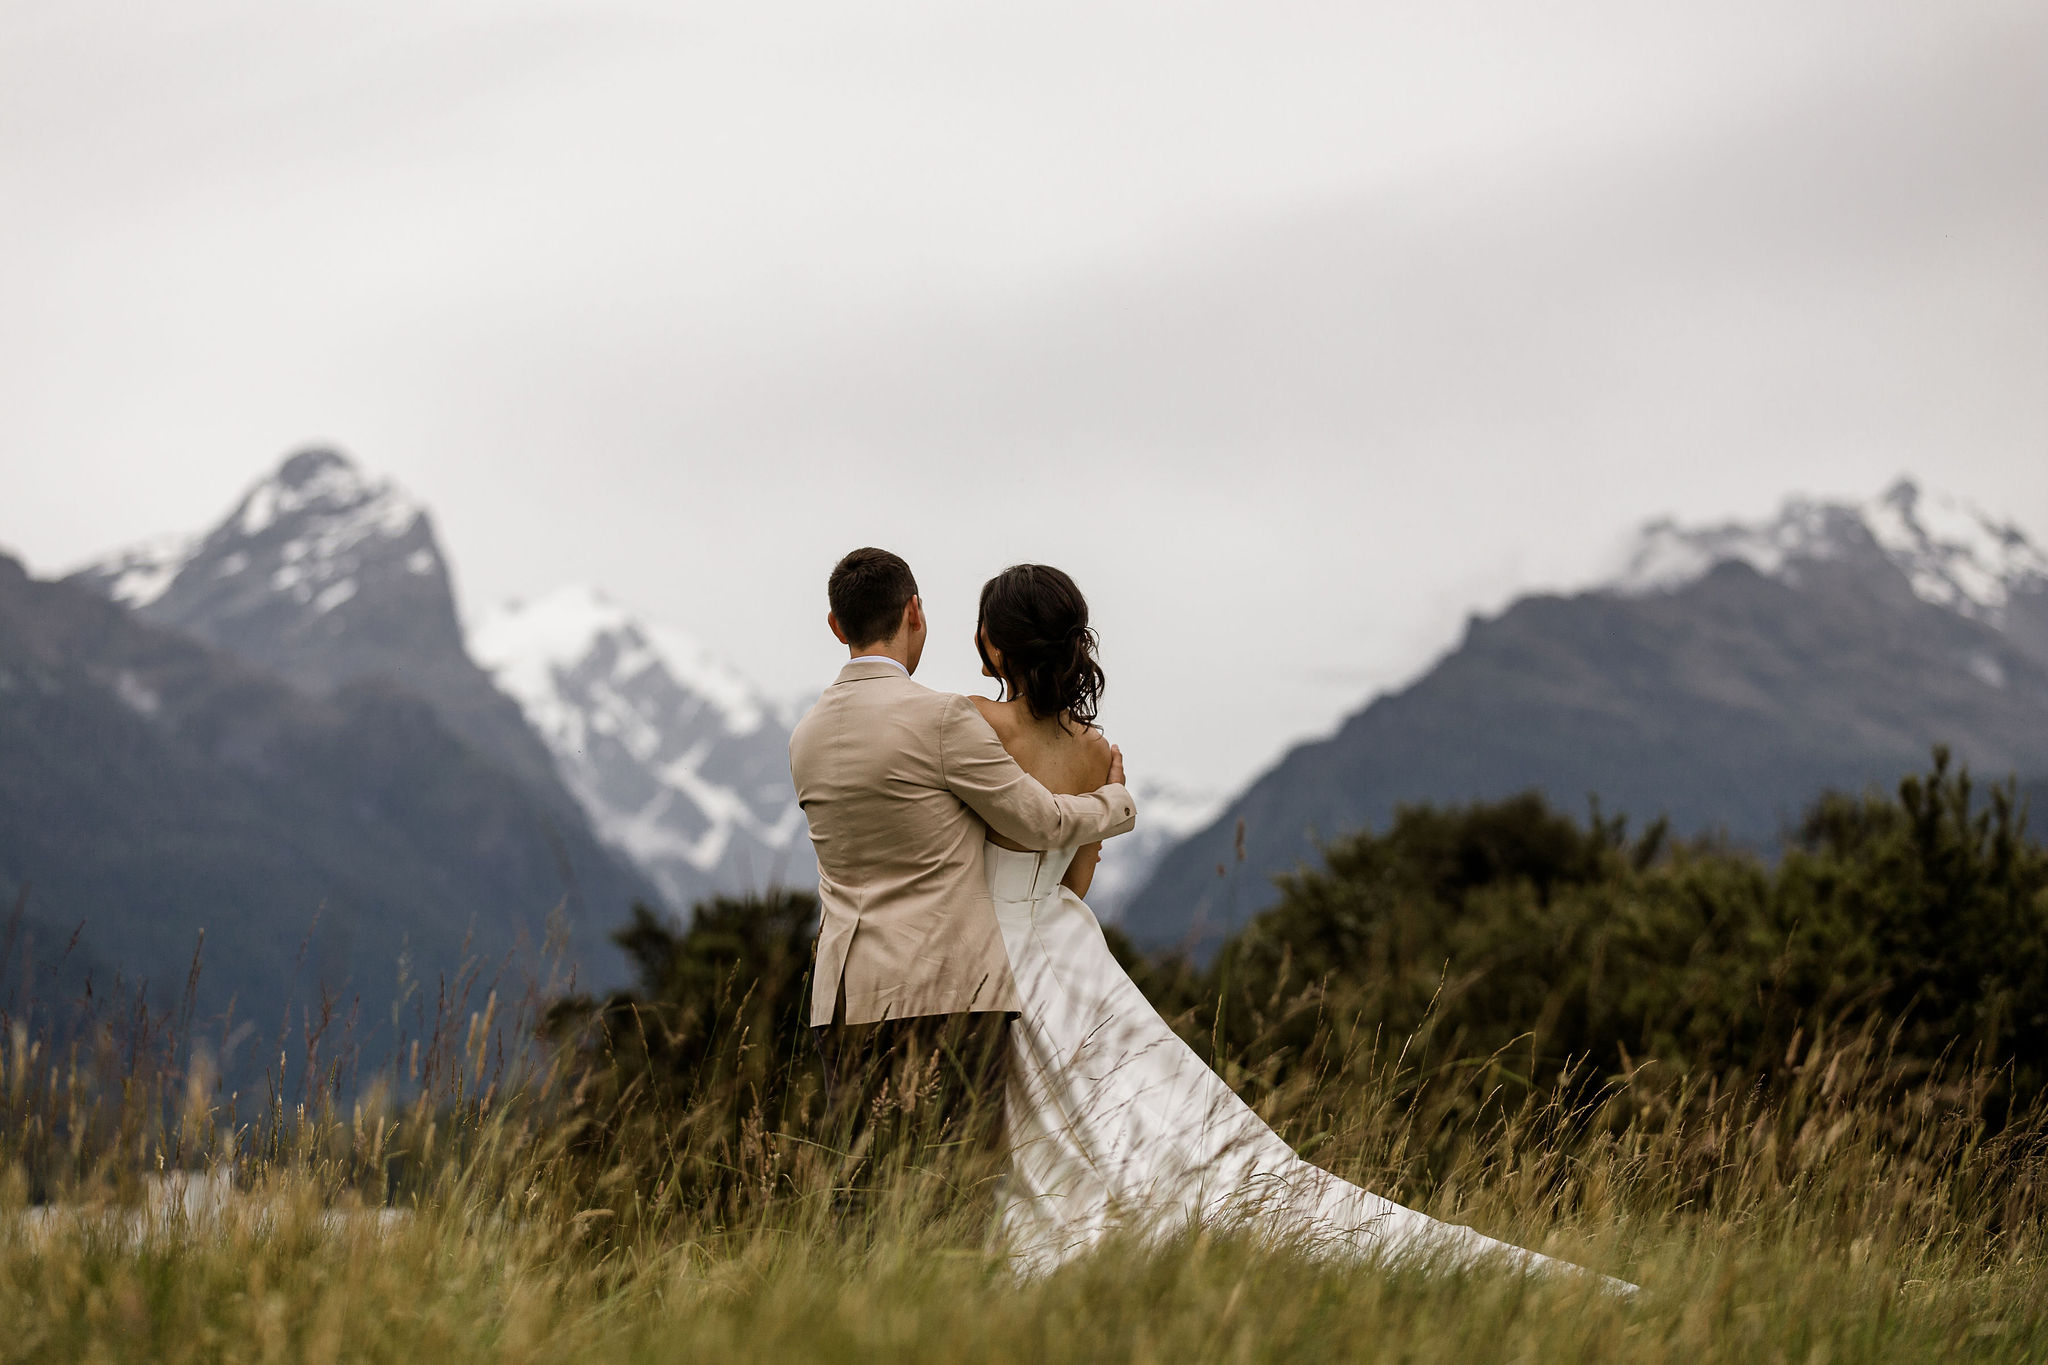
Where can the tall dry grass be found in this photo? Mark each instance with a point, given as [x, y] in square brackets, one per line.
[466, 1200]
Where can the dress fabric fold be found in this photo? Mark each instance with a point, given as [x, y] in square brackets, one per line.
[1116, 1125]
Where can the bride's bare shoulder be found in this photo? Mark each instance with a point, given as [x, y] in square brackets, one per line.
[1095, 750]
[996, 714]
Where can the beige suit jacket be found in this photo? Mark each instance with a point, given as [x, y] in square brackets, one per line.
[901, 785]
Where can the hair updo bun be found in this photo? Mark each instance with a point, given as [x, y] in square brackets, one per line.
[1037, 620]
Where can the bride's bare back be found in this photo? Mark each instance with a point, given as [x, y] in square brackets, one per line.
[1069, 759]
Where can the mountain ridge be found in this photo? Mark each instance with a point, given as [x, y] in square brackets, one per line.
[679, 761]
[328, 576]
[1723, 679]
[1951, 554]
[154, 787]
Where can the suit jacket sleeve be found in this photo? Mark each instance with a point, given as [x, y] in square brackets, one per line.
[1014, 804]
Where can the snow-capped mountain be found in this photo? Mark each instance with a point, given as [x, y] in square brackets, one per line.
[1950, 553]
[680, 763]
[1166, 815]
[138, 575]
[321, 737]
[321, 572]
[1722, 677]
[294, 549]
[328, 575]
[154, 788]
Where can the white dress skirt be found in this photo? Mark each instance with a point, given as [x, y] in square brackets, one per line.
[1116, 1126]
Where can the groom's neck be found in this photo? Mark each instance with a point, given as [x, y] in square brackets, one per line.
[897, 649]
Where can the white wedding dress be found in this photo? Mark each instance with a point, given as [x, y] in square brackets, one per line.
[1115, 1125]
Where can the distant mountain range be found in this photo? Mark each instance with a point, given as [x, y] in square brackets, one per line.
[154, 788]
[658, 770]
[277, 732]
[324, 577]
[1723, 678]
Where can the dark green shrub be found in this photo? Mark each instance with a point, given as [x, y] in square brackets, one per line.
[1509, 930]
[679, 1078]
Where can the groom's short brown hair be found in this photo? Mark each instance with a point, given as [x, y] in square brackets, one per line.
[869, 590]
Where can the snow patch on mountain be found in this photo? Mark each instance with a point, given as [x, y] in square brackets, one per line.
[335, 512]
[140, 574]
[525, 641]
[310, 527]
[1952, 554]
[680, 762]
[1167, 814]
[353, 505]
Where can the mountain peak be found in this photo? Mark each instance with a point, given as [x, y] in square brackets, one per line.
[332, 496]
[329, 576]
[561, 628]
[1955, 555]
[1950, 552]
[299, 537]
[320, 571]
[679, 761]
[1722, 703]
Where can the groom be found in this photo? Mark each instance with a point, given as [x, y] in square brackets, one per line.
[901, 785]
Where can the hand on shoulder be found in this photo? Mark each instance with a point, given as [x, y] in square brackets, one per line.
[1105, 757]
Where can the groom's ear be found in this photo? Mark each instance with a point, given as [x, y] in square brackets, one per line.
[913, 615]
[832, 620]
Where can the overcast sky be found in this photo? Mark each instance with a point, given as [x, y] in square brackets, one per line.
[1295, 332]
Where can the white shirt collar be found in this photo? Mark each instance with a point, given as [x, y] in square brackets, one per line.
[896, 664]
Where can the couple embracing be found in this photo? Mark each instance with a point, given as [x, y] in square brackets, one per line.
[956, 841]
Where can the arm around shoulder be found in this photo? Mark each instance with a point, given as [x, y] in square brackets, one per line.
[1014, 804]
[1111, 776]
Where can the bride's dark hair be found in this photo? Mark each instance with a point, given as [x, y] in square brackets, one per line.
[1038, 621]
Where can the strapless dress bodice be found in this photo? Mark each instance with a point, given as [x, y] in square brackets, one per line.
[1025, 878]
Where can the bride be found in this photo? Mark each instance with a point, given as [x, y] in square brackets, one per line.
[1114, 1123]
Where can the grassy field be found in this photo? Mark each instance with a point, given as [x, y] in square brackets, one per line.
[447, 1288]
[1847, 1219]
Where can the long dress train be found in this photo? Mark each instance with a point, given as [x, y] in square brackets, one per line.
[1115, 1124]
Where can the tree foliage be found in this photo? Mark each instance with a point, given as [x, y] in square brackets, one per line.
[681, 1074]
[1551, 952]
[1510, 930]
